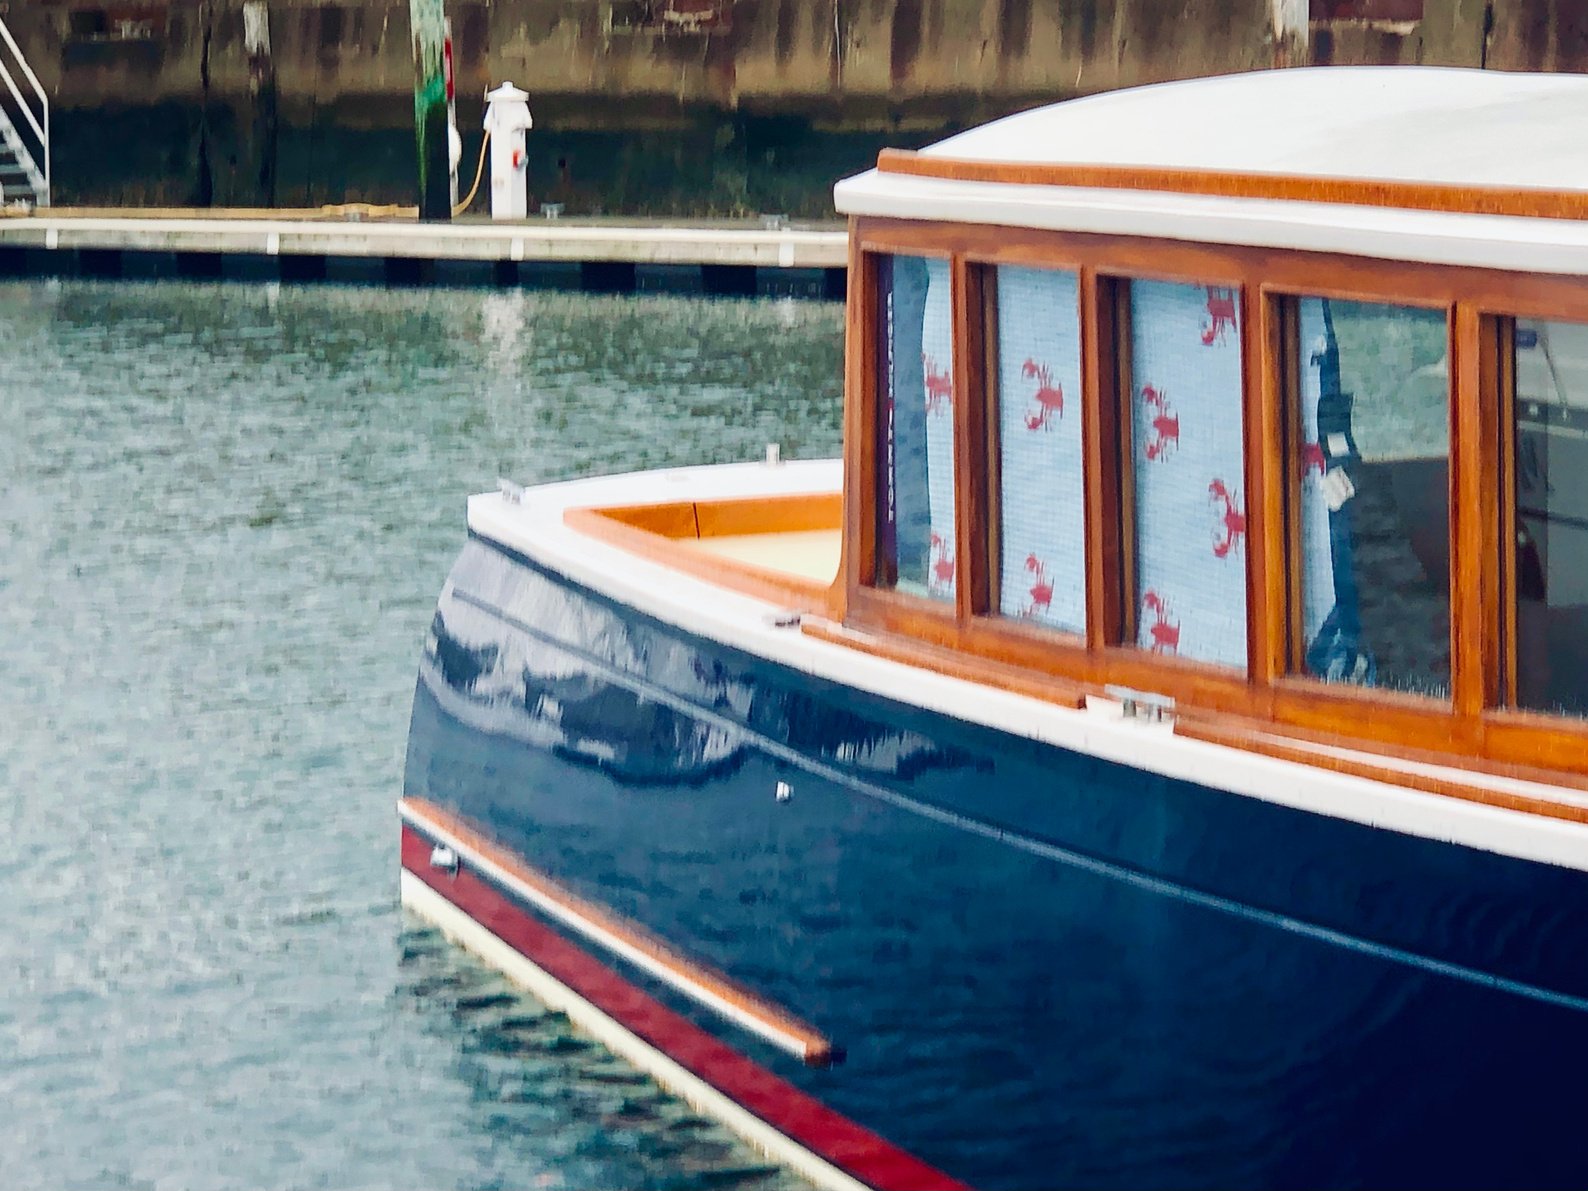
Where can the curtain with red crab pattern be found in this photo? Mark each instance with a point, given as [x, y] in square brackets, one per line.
[937, 366]
[1190, 511]
[915, 497]
[1042, 568]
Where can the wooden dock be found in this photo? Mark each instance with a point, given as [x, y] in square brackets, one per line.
[357, 244]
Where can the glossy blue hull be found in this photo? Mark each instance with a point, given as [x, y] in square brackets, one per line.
[1046, 969]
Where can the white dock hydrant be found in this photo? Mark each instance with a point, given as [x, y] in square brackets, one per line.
[507, 119]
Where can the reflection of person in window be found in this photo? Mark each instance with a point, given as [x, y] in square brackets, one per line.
[1336, 653]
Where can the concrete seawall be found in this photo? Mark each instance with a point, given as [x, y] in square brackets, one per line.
[658, 106]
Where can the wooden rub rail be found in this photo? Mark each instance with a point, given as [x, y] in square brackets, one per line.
[626, 940]
[1519, 791]
[1360, 192]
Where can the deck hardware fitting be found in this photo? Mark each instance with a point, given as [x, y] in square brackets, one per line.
[1142, 705]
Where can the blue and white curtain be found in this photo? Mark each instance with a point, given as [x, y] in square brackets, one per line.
[1190, 514]
[916, 428]
[937, 366]
[1042, 569]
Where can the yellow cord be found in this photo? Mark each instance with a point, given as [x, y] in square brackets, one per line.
[478, 174]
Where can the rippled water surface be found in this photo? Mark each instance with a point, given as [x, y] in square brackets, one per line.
[225, 514]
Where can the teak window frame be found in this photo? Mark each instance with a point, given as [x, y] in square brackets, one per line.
[1120, 393]
[1477, 720]
[1282, 304]
[922, 616]
[982, 297]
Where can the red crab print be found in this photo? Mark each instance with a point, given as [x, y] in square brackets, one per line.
[939, 387]
[1232, 522]
[1221, 315]
[1049, 396]
[1165, 423]
[1165, 636]
[1041, 587]
[942, 564]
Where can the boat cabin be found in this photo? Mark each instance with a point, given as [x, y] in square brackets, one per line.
[1268, 394]
[1263, 395]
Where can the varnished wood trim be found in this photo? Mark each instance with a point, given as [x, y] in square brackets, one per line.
[791, 513]
[1536, 739]
[991, 489]
[1264, 495]
[1529, 202]
[1334, 275]
[883, 610]
[1116, 397]
[764, 583]
[1498, 381]
[1375, 713]
[1099, 466]
[860, 427]
[949, 662]
[1473, 507]
[1255, 740]
[1281, 379]
[970, 440]
[1398, 750]
[600, 925]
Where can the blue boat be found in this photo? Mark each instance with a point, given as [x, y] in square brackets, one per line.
[1157, 753]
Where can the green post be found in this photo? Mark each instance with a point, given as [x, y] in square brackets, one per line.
[428, 18]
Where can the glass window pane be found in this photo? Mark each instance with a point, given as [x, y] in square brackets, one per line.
[915, 426]
[1552, 517]
[1374, 498]
[1190, 509]
[1042, 542]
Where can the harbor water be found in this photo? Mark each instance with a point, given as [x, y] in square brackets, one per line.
[225, 514]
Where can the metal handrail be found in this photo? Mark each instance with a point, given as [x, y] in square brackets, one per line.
[41, 131]
[11, 85]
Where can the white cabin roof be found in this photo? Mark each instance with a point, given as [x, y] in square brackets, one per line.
[1409, 124]
[1396, 123]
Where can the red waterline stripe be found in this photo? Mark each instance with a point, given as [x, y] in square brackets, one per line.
[803, 1119]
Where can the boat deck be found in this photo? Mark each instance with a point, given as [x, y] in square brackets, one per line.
[805, 553]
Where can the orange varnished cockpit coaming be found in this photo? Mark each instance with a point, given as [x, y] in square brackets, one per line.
[669, 533]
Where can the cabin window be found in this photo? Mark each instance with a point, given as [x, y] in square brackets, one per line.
[1040, 551]
[915, 540]
[1182, 364]
[1370, 486]
[1550, 563]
